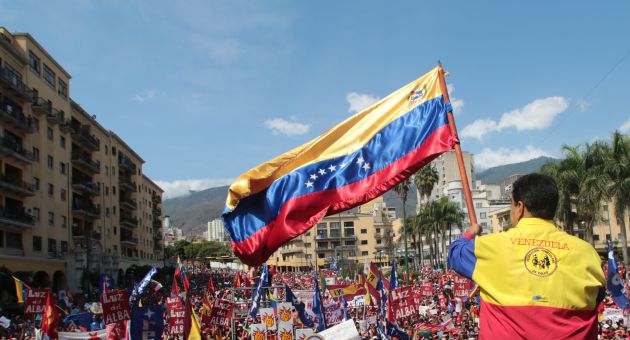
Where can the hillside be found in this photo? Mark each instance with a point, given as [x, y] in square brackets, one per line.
[497, 174]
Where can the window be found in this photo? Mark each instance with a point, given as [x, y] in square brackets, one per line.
[62, 168]
[596, 238]
[364, 242]
[352, 253]
[64, 221]
[51, 189]
[106, 149]
[114, 150]
[364, 253]
[63, 194]
[35, 154]
[363, 231]
[478, 205]
[106, 191]
[378, 231]
[37, 243]
[62, 142]
[307, 245]
[50, 161]
[106, 212]
[35, 124]
[114, 210]
[114, 230]
[63, 88]
[49, 133]
[64, 246]
[51, 218]
[36, 214]
[320, 255]
[36, 183]
[34, 63]
[14, 240]
[52, 245]
[49, 76]
[378, 241]
[113, 190]
[482, 215]
[106, 171]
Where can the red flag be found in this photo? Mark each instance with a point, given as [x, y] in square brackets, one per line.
[50, 318]
[175, 289]
[237, 281]
[210, 286]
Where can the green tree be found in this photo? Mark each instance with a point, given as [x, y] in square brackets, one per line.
[439, 217]
[424, 180]
[617, 168]
[402, 189]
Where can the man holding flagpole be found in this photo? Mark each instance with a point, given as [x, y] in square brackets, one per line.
[536, 282]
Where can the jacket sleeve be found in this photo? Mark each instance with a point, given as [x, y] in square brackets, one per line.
[461, 255]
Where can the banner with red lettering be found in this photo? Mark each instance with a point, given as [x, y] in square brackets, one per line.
[35, 302]
[221, 314]
[115, 306]
[461, 287]
[333, 314]
[175, 313]
[426, 287]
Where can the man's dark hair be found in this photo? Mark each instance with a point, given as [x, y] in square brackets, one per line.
[539, 194]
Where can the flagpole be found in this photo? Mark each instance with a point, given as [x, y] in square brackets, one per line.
[458, 151]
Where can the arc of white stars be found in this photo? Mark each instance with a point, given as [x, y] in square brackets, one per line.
[322, 172]
[332, 168]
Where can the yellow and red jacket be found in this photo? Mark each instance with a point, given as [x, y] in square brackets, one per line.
[536, 282]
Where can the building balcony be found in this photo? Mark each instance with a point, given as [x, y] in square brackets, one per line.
[12, 251]
[125, 163]
[157, 236]
[86, 164]
[126, 184]
[335, 237]
[41, 106]
[128, 221]
[128, 203]
[13, 117]
[156, 199]
[15, 218]
[80, 234]
[157, 223]
[85, 139]
[291, 250]
[157, 211]
[56, 116]
[16, 186]
[10, 148]
[157, 247]
[128, 240]
[12, 82]
[86, 209]
[86, 187]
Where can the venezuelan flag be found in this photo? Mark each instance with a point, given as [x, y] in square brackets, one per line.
[20, 289]
[348, 165]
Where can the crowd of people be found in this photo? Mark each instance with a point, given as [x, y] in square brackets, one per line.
[443, 316]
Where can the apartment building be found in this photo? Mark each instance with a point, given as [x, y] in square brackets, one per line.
[448, 171]
[349, 238]
[73, 198]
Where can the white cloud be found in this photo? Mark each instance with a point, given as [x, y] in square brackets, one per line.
[183, 187]
[281, 126]
[488, 158]
[536, 115]
[456, 103]
[625, 127]
[360, 101]
[144, 95]
[582, 104]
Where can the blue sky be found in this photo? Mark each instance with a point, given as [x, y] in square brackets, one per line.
[204, 90]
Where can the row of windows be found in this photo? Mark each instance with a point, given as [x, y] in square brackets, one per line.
[35, 213]
[52, 245]
[49, 76]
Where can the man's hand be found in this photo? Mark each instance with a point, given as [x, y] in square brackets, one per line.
[474, 229]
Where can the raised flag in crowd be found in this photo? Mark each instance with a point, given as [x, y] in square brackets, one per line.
[614, 283]
[258, 292]
[350, 164]
[318, 307]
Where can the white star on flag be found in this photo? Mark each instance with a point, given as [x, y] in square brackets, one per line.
[309, 184]
[322, 171]
[332, 168]
[149, 314]
[313, 177]
[366, 166]
[360, 160]
[342, 164]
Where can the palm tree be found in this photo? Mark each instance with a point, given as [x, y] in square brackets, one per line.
[617, 168]
[424, 180]
[439, 217]
[402, 189]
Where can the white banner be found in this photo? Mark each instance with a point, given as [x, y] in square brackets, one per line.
[258, 331]
[268, 318]
[303, 334]
[613, 314]
[285, 312]
[343, 331]
[285, 331]
[100, 334]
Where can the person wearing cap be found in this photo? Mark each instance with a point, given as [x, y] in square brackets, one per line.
[536, 281]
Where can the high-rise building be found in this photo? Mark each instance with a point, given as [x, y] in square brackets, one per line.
[73, 198]
[216, 231]
[448, 170]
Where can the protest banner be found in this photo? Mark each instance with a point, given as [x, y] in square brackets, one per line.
[614, 314]
[221, 314]
[405, 302]
[303, 334]
[343, 331]
[258, 332]
[333, 314]
[35, 302]
[100, 334]
[285, 331]
[426, 287]
[285, 312]
[115, 306]
[461, 287]
[175, 315]
[268, 318]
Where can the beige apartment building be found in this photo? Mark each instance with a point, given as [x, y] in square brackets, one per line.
[73, 197]
[351, 237]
